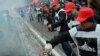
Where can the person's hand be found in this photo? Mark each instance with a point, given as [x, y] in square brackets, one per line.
[45, 22]
[48, 47]
[50, 27]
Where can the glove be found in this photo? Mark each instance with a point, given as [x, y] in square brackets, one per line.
[50, 27]
[48, 47]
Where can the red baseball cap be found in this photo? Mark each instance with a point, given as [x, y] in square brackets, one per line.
[69, 6]
[84, 14]
[54, 3]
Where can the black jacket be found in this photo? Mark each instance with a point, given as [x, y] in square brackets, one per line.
[61, 22]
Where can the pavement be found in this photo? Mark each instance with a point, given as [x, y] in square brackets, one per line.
[41, 28]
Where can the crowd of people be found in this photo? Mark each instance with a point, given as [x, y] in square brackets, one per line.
[77, 22]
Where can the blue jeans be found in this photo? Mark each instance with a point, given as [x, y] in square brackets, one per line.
[67, 49]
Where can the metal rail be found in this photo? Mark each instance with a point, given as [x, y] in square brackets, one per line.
[34, 32]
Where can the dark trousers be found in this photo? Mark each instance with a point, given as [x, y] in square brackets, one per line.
[39, 16]
[31, 17]
[67, 48]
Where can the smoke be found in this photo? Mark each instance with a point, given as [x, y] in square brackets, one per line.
[9, 4]
[13, 32]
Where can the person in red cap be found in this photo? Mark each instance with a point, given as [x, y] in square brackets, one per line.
[86, 36]
[69, 6]
[54, 3]
[66, 16]
[59, 17]
[71, 11]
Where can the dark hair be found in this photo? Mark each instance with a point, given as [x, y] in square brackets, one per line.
[78, 6]
[91, 19]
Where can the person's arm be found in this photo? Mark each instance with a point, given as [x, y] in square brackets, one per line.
[64, 37]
